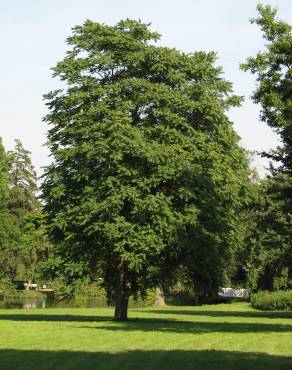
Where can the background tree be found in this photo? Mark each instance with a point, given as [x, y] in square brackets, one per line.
[147, 173]
[35, 248]
[273, 69]
[9, 233]
[24, 245]
[22, 183]
[24, 206]
[251, 257]
[4, 191]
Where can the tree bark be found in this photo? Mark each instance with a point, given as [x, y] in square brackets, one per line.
[121, 309]
[121, 295]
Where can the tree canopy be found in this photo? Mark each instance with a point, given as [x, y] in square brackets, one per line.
[23, 242]
[273, 71]
[147, 172]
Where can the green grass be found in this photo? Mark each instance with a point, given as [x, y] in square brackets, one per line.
[219, 337]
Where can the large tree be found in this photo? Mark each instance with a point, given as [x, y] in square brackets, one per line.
[147, 174]
[273, 70]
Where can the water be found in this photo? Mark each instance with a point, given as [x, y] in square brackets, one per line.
[48, 301]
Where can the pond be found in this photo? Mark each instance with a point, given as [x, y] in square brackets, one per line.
[49, 301]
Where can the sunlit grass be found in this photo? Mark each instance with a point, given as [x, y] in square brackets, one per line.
[230, 336]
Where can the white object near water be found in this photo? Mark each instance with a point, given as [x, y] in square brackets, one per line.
[233, 293]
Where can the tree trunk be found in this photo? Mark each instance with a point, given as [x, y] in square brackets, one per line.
[121, 295]
[121, 309]
[159, 297]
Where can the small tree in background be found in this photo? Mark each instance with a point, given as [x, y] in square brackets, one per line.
[23, 242]
[9, 232]
[147, 174]
[4, 178]
[22, 183]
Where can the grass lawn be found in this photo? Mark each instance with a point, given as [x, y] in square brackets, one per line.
[221, 337]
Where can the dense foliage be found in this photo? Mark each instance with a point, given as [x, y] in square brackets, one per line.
[147, 173]
[272, 251]
[9, 234]
[24, 246]
[266, 300]
[149, 189]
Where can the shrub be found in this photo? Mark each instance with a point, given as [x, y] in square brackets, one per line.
[6, 288]
[265, 300]
[181, 294]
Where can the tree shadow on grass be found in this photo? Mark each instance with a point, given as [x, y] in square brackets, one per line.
[145, 324]
[243, 314]
[86, 318]
[191, 327]
[141, 360]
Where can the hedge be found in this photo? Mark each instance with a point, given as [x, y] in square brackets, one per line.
[265, 300]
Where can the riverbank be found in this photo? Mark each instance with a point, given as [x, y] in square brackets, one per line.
[27, 299]
[228, 337]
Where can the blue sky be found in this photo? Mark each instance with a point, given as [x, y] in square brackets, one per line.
[32, 38]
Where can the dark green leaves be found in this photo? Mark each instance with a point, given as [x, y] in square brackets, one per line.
[147, 169]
